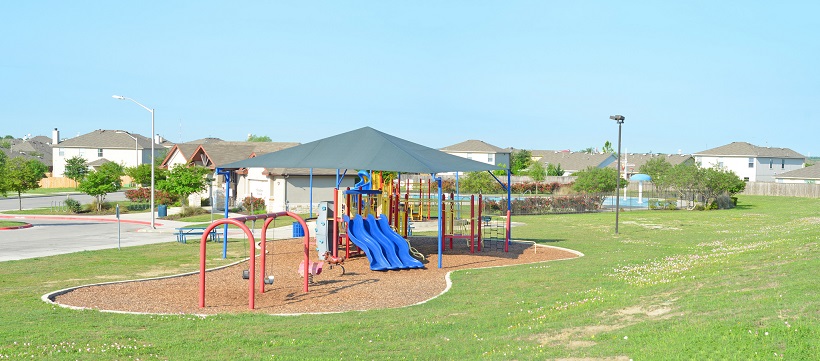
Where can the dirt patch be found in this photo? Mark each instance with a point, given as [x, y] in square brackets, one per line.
[358, 288]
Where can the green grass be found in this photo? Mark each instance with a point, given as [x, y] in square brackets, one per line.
[52, 190]
[62, 210]
[674, 285]
[11, 224]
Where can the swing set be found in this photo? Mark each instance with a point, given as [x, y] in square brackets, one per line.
[263, 280]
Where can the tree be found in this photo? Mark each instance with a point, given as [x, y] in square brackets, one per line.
[520, 161]
[659, 170]
[258, 138]
[76, 168]
[718, 182]
[501, 171]
[596, 180]
[537, 173]
[183, 181]
[141, 174]
[98, 183]
[23, 174]
[477, 182]
[588, 150]
[608, 148]
[554, 170]
[685, 177]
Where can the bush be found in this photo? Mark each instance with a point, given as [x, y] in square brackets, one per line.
[138, 195]
[73, 205]
[253, 204]
[725, 202]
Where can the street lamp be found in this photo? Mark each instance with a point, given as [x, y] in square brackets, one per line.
[620, 120]
[120, 97]
[136, 145]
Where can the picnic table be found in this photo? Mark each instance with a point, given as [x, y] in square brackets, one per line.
[184, 232]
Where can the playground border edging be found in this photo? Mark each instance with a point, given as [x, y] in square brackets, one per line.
[49, 297]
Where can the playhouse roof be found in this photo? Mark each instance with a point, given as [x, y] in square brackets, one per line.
[364, 148]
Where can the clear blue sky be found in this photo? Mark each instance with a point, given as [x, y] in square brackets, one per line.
[688, 75]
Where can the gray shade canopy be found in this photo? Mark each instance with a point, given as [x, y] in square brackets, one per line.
[364, 148]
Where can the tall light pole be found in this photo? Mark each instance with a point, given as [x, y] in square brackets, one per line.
[620, 120]
[136, 145]
[120, 97]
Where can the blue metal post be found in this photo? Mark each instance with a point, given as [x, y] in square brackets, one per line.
[438, 182]
[227, 175]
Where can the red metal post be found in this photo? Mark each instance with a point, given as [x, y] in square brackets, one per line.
[472, 223]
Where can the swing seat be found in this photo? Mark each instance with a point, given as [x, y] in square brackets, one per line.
[315, 268]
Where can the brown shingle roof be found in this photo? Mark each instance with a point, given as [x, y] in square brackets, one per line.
[743, 149]
[473, 145]
[573, 161]
[107, 139]
[811, 172]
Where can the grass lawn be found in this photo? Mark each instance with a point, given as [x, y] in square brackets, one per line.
[11, 224]
[674, 285]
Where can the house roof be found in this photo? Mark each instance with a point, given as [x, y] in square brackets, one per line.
[636, 160]
[364, 148]
[98, 162]
[473, 146]
[15, 154]
[217, 154]
[107, 139]
[573, 161]
[743, 149]
[811, 172]
[34, 148]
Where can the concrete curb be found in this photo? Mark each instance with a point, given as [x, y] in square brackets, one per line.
[27, 225]
[69, 218]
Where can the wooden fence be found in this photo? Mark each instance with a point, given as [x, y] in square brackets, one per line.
[57, 182]
[782, 189]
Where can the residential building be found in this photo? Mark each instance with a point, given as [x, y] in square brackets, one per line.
[572, 162]
[750, 162]
[809, 175]
[631, 162]
[480, 151]
[100, 146]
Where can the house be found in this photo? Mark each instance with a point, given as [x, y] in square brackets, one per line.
[631, 162]
[807, 175]
[750, 162]
[480, 151]
[213, 152]
[97, 147]
[289, 189]
[38, 148]
[572, 162]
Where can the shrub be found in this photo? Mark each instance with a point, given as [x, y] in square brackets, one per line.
[73, 205]
[253, 204]
[138, 195]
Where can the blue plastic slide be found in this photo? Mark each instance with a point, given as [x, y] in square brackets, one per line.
[356, 233]
[398, 242]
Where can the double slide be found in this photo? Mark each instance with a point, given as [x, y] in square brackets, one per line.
[385, 249]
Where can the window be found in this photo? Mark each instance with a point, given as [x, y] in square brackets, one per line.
[745, 179]
[61, 152]
[99, 152]
[491, 158]
[782, 164]
[751, 162]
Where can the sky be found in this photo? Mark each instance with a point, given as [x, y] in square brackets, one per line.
[687, 75]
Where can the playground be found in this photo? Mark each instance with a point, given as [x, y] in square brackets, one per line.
[367, 226]
[359, 288]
